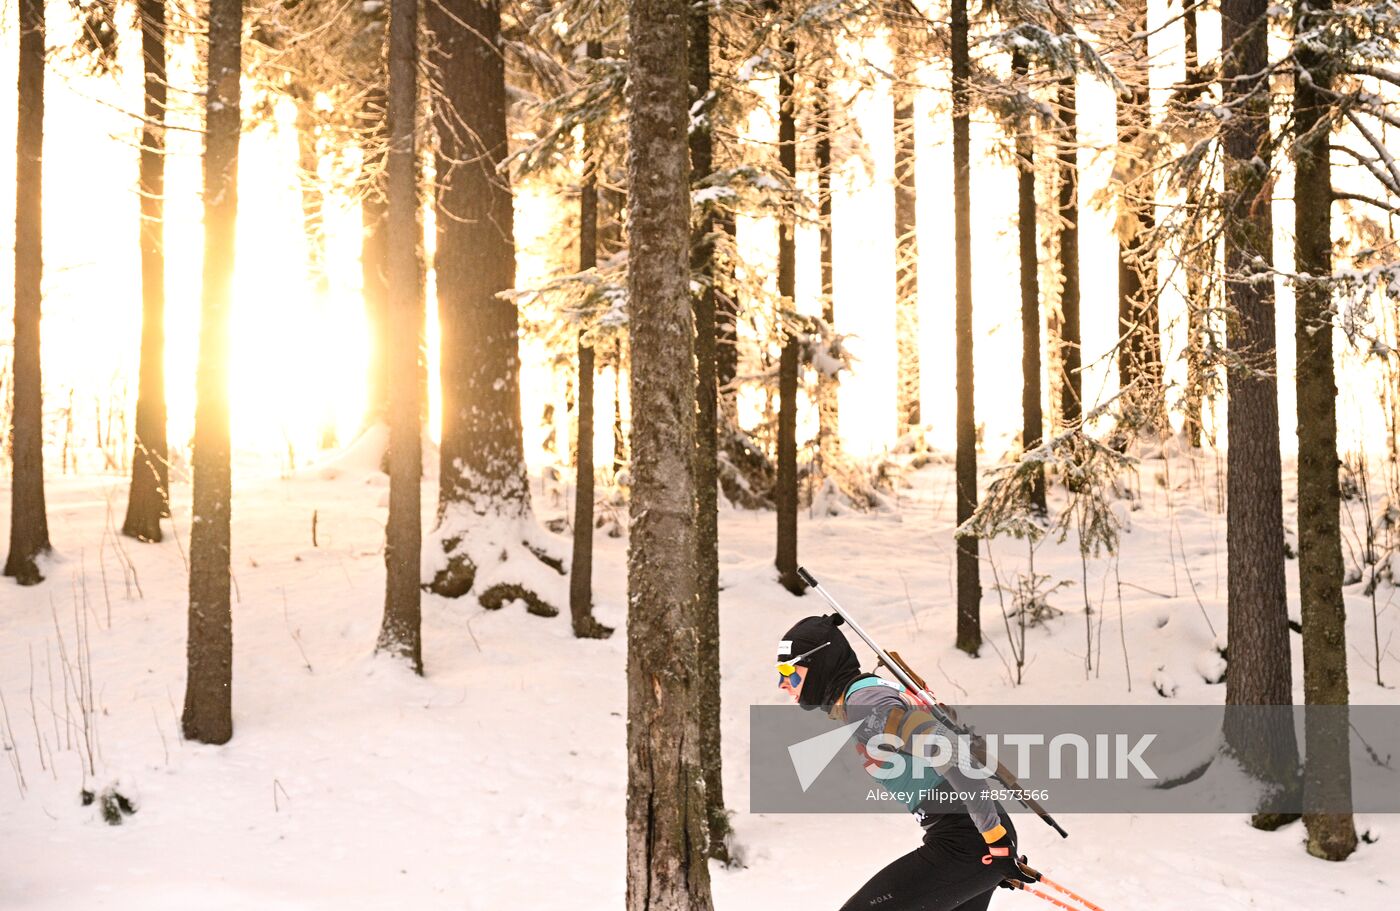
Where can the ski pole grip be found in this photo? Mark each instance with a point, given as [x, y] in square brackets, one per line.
[807, 577]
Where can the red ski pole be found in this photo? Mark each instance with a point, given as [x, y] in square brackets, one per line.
[1074, 895]
[1042, 878]
[1050, 898]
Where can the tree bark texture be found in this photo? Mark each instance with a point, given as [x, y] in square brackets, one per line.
[1327, 775]
[401, 631]
[969, 632]
[1032, 419]
[483, 461]
[208, 714]
[1260, 666]
[149, 499]
[666, 808]
[702, 273]
[788, 367]
[581, 564]
[29, 524]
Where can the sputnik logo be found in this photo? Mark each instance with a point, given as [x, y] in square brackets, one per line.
[811, 756]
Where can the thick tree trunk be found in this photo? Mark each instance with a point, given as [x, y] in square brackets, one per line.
[702, 271]
[1327, 777]
[906, 243]
[1071, 384]
[374, 253]
[1032, 421]
[29, 524]
[1260, 666]
[667, 868]
[581, 565]
[149, 499]
[969, 635]
[484, 514]
[828, 407]
[785, 496]
[1140, 351]
[400, 634]
[483, 464]
[208, 691]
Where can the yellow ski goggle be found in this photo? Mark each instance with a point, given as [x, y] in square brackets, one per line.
[789, 667]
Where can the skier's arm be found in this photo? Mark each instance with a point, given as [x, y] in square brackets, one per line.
[918, 728]
[884, 711]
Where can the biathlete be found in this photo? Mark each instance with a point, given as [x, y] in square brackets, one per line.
[969, 844]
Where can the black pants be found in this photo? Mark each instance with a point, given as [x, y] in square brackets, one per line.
[943, 874]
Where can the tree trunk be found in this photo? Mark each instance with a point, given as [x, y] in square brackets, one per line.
[667, 868]
[400, 634]
[29, 524]
[149, 499]
[1072, 384]
[906, 243]
[1140, 349]
[1032, 421]
[969, 635]
[581, 566]
[1327, 777]
[785, 496]
[374, 255]
[828, 406]
[707, 676]
[208, 691]
[1260, 666]
[1195, 266]
[484, 514]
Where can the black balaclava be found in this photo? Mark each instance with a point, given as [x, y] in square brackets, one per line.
[829, 671]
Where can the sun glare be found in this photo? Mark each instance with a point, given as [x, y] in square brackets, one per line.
[298, 372]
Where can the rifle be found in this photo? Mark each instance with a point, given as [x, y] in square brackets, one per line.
[915, 684]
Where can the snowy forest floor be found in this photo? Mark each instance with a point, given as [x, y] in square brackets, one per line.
[498, 780]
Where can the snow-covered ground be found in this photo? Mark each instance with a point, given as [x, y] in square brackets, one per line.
[497, 781]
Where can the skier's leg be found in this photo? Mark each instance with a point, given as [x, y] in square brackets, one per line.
[945, 874]
[978, 902]
[900, 886]
[931, 878]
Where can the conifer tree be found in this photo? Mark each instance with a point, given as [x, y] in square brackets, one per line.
[208, 708]
[400, 633]
[149, 499]
[29, 523]
[667, 867]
